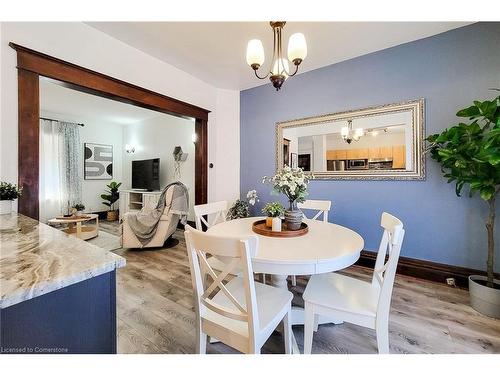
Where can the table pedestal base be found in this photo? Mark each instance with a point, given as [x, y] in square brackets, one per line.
[280, 281]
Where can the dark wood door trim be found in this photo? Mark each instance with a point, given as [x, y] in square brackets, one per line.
[33, 64]
[201, 168]
[100, 84]
[28, 144]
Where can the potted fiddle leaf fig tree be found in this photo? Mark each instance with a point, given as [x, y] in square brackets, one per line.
[110, 199]
[469, 154]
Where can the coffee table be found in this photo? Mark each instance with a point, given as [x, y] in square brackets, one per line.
[79, 226]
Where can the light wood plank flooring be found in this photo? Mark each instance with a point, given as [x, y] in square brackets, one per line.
[156, 314]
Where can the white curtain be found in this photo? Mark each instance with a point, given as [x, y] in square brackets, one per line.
[60, 177]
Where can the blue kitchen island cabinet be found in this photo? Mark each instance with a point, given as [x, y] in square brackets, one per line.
[57, 292]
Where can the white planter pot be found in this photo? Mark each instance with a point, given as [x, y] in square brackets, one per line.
[276, 224]
[5, 207]
[483, 299]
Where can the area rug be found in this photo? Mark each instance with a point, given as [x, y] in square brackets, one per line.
[106, 241]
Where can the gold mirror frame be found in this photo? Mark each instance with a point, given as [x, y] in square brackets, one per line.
[417, 147]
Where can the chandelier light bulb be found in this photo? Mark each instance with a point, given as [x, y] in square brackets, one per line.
[297, 48]
[344, 132]
[358, 132]
[280, 68]
[255, 53]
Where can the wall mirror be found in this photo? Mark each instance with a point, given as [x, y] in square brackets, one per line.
[379, 143]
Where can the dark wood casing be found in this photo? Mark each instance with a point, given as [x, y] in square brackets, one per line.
[32, 64]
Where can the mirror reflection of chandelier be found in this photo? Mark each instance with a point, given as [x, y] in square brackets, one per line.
[349, 135]
[279, 68]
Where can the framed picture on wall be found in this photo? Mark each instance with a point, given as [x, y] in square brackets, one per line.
[98, 161]
[294, 160]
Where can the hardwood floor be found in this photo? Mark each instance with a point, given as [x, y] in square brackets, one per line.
[156, 314]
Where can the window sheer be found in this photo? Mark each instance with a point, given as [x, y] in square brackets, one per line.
[60, 175]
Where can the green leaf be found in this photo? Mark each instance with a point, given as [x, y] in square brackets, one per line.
[432, 138]
[468, 112]
[487, 192]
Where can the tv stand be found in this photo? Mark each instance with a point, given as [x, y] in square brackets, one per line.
[134, 200]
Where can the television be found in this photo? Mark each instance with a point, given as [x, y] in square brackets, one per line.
[146, 174]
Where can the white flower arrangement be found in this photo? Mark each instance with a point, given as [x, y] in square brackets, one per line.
[252, 197]
[290, 181]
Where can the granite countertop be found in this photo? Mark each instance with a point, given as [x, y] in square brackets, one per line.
[36, 259]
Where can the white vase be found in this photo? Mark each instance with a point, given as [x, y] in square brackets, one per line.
[5, 207]
[276, 224]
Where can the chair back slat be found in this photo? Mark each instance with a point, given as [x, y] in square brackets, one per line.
[237, 253]
[216, 212]
[384, 272]
[323, 207]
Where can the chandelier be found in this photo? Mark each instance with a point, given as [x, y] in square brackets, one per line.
[279, 69]
[349, 135]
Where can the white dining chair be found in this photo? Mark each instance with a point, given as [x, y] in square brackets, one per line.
[356, 301]
[239, 312]
[321, 208]
[215, 213]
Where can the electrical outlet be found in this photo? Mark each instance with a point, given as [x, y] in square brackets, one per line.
[450, 281]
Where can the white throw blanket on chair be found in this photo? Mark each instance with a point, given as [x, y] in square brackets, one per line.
[145, 222]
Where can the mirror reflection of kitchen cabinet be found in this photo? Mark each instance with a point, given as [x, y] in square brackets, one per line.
[399, 157]
[386, 152]
[374, 153]
[380, 152]
[336, 155]
[357, 153]
[341, 155]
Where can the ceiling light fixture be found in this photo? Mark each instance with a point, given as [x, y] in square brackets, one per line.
[349, 135]
[279, 68]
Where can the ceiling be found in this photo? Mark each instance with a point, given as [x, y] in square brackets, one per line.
[215, 51]
[61, 100]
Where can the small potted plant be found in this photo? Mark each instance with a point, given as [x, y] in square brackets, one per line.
[274, 211]
[241, 208]
[8, 192]
[79, 207]
[110, 199]
[292, 182]
[469, 154]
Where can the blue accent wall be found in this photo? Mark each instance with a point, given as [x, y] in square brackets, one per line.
[449, 70]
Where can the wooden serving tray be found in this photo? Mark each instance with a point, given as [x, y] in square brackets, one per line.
[260, 227]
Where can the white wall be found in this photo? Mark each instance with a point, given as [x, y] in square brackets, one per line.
[156, 138]
[95, 131]
[224, 148]
[83, 45]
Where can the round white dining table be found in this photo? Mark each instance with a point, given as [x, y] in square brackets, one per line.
[327, 247]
